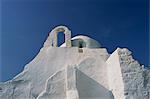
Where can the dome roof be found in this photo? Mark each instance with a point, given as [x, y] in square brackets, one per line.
[83, 41]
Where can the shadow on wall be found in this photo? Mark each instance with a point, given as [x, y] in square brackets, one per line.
[90, 89]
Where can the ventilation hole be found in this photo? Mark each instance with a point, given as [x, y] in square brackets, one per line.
[80, 45]
[80, 50]
[125, 93]
[0, 89]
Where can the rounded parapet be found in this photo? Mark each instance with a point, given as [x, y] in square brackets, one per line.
[83, 42]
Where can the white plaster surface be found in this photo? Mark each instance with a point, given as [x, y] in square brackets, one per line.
[79, 73]
[131, 80]
[86, 42]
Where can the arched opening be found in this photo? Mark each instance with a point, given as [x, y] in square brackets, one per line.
[56, 36]
[60, 38]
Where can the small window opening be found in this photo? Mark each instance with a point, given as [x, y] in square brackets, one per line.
[125, 93]
[80, 45]
[0, 89]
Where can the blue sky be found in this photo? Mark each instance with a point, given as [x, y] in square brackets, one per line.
[25, 25]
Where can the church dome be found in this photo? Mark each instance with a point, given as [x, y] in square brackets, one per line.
[83, 41]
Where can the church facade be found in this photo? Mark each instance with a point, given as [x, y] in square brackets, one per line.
[79, 69]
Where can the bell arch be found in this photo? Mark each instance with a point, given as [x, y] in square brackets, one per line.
[54, 33]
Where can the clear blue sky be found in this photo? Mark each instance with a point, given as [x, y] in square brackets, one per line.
[25, 25]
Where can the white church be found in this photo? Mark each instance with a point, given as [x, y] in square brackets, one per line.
[79, 69]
